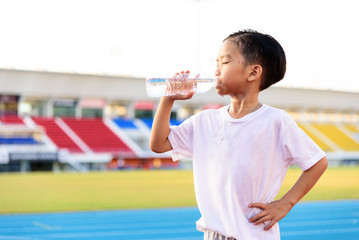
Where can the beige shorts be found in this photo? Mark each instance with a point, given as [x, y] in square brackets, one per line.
[211, 235]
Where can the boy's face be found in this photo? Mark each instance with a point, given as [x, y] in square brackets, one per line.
[231, 70]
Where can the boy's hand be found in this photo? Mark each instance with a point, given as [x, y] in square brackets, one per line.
[277, 210]
[272, 212]
[179, 87]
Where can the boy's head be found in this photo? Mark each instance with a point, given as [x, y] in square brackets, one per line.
[264, 50]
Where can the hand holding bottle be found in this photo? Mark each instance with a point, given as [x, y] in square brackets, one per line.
[181, 84]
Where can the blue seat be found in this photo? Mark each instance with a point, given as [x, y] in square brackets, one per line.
[125, 123]
[17, 140]
[148, 122]
[174, 122]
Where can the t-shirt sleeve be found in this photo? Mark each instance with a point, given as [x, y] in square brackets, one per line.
[181, 139]
[299, 148]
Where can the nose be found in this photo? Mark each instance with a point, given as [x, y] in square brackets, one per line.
[217, 72]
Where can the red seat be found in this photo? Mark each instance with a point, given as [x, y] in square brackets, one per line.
[97, 135]
[11, 119]
[57, 135]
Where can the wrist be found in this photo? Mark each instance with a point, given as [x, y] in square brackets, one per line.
[287, 202]
[168, 100]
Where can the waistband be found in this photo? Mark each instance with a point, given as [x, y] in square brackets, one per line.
[212, 235]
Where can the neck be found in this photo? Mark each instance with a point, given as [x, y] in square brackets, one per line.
[241, 107]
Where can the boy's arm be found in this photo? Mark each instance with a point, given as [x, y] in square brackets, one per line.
[277, 210]
[159, 142]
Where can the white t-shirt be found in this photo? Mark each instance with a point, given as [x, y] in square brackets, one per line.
[240, 161]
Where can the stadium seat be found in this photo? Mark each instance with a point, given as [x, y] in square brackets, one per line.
[11, 119]
[18, 140]
[174, 122]
[149, 122]
[97, 135]
[337, 135]
[315, 138]
[353, 128]
[57, 135]
[125, 123]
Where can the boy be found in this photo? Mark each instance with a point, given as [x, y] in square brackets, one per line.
[241, 152]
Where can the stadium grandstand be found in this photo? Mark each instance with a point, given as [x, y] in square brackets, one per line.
[56, 121]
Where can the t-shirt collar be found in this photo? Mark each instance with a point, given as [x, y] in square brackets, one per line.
[247, 117]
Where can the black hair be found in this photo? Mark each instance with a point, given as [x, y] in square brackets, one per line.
[262, 49]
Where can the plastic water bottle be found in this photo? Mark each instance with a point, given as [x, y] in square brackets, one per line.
[181, 84]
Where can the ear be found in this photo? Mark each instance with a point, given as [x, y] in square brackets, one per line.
[255, 73]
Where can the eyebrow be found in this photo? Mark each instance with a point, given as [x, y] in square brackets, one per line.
[224, 56]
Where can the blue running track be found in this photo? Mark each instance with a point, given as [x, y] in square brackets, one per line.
[308, 220]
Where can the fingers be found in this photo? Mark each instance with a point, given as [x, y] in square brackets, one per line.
[182, 74]
[263, 218]
[182, 97]
[256, 218]
[266, 215]
[270, 225]
[185, 74]
[180, 86]
[257, 205]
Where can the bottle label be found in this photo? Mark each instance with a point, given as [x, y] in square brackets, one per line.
[180, 85]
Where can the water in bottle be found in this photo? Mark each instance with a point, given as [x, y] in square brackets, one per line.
[179, 85]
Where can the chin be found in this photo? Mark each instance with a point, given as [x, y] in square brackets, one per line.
[219, 92]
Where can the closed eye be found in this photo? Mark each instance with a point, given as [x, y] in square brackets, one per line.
[222, 63]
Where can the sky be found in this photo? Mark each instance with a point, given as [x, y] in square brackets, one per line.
[144, 38]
